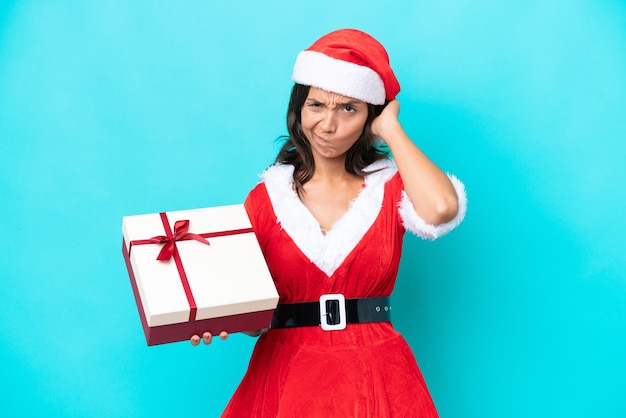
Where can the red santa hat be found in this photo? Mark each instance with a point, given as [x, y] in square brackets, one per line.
[348, 62]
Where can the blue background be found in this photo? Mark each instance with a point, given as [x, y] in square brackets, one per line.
[112, 108]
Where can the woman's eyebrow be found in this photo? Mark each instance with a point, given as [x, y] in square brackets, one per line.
[349, 102]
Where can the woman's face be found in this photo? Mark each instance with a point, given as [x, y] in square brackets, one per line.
[332, 123]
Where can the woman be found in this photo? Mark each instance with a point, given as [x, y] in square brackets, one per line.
[330, 215]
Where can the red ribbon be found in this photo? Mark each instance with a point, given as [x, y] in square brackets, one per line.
[180, 234]
[170, 250]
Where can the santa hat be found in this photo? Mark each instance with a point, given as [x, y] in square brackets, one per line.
[348, 62]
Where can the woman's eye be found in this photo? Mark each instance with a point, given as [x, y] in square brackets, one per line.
[349, 109]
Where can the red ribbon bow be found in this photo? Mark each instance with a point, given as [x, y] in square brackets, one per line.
[180, 234]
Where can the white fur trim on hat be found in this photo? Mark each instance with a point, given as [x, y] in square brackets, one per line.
[342, 77]
[414, 223]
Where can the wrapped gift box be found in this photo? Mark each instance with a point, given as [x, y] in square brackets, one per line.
[197, 270]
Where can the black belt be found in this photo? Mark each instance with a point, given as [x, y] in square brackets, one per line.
[332, 312]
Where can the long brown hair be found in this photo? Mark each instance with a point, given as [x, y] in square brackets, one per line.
[296, 149]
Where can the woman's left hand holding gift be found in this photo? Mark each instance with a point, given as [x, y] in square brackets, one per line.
[207, 338]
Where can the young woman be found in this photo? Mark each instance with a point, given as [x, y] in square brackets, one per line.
[330, 215]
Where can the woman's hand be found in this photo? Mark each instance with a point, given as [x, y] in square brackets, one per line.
[386, 124]
[207, 338]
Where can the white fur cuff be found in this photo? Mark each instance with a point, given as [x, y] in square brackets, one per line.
[414, 223]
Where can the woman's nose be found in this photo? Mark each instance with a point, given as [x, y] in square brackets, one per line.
[328, 123]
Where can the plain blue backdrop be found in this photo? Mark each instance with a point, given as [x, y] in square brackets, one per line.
[113, 108]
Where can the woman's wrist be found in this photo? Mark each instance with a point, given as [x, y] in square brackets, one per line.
[392, 133]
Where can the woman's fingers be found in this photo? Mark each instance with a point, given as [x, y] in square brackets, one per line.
[207, 338]
[386, 120]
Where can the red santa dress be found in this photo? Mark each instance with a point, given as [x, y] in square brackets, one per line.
[365, 370]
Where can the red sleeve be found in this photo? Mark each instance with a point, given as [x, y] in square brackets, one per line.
[260, 212]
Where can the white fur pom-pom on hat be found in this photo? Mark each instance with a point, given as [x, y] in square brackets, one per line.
[348, 62]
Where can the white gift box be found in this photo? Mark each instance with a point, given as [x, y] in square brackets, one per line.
[214, 278]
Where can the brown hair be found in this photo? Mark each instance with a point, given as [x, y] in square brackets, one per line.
[296, 149]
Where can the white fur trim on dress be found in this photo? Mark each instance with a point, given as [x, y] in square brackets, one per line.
[414, 223]
[342, 77]
[327, 251]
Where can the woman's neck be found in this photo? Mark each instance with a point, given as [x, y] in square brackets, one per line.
[331, 170]
[328, 194]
